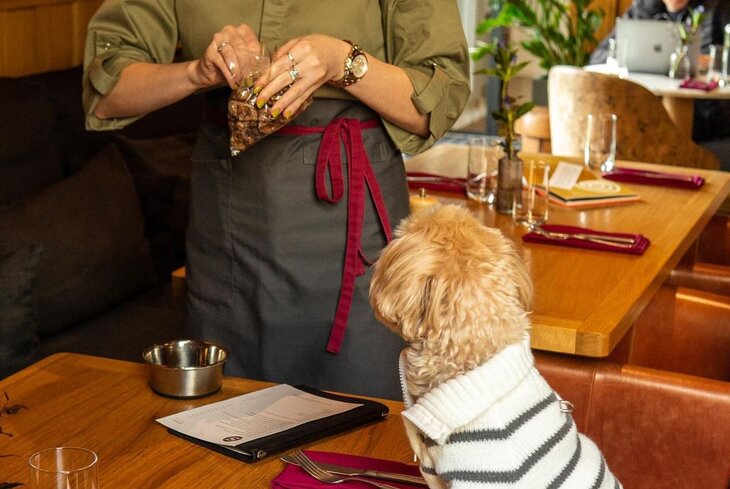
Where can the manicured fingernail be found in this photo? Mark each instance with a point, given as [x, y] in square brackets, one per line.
[275, 113]
[288, 114]
[260, 102]
[257, 89]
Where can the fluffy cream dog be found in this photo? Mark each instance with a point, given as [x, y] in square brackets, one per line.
[478, 415]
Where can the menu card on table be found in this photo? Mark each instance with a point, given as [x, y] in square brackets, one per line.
[251, 426]
[572, 185]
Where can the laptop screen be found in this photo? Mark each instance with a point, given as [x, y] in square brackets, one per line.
[649, 43]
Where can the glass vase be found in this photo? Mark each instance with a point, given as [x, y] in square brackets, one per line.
[509, 180]
[680, 65]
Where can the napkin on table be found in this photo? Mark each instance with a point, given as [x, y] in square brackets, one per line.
[699, 84]
[648, 177]
[293, 477]
[640, 246]
[431, 181]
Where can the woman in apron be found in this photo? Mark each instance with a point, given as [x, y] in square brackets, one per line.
[281, 236]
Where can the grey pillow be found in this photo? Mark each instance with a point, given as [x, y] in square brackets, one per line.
[18, 328]
[92, 231]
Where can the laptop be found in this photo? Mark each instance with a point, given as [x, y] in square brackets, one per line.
[649, 43]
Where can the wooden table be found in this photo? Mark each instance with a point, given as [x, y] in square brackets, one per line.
[586, 301]
[679, 102]
[106, 406]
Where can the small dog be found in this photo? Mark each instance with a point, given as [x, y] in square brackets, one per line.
[478, 412]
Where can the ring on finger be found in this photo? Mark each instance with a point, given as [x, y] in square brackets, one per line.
[222, 45]
[291, 58]
[294, 73]
[231, 67]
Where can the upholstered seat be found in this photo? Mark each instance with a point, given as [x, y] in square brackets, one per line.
[657, 429]
[645, 131]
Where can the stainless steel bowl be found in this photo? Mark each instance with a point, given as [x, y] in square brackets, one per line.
[185, 368]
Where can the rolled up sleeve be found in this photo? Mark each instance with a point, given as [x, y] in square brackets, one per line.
[123, 32]
[425, 38]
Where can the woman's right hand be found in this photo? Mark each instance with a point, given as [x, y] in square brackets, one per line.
[226, 57]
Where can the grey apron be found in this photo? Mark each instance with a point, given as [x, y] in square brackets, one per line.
[265, 257]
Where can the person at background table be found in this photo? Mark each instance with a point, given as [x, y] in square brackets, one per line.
[265, 255]
[711, 123]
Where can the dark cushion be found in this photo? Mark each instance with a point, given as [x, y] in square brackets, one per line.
[92, 231]
[18, 327]
[31, 152]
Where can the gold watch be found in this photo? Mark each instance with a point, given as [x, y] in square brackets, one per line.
[356, 66]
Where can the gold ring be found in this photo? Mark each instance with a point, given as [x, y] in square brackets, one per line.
[291, 58]
[293, 73]
[220, 46]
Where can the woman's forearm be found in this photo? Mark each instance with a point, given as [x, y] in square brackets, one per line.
[145, 87]
[387, 90]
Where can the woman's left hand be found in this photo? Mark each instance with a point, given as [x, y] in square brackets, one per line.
[306, 63]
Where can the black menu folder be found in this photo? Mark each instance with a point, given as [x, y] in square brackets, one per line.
[254, 450]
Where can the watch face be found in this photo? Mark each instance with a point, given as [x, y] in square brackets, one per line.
[359, 65]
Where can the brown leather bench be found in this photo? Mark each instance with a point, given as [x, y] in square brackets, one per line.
[657, 429]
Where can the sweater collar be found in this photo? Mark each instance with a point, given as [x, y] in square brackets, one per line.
[460, 400]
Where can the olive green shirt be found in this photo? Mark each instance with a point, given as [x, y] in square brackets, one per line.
[423, 37]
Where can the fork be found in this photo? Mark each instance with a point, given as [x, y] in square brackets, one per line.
[311, 468]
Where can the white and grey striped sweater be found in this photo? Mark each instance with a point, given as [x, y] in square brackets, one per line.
[501, 426]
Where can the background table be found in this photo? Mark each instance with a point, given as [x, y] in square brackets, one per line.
[106, 406]
[586, 300]
[679, 102]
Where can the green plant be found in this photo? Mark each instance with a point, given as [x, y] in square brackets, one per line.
[688, 28]
[505, 68]
[561, 32]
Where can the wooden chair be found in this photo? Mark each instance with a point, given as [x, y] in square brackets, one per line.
[645, 131]
[534, 127]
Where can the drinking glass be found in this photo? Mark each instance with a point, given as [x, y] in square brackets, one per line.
[63, 468]
[714, 65]
[531, 205]
[600, 142]
[618, 55]
[481, 175]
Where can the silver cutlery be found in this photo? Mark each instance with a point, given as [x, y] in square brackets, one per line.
[376, 474]
[618, 241]
[322, 475]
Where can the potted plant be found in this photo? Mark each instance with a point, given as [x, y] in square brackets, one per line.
[505, 68]
[680, 65]
[560, 32]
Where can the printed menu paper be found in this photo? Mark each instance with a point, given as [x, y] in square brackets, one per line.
[254, 415]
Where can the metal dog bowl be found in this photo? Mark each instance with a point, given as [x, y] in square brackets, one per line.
[185, 368]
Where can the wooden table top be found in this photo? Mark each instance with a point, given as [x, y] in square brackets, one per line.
[585, 300]
[107, 406]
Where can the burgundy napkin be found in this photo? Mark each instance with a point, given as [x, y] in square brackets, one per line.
[699, 84]
[639, 247]
[647, 177]
[432, 181]
[293, 477]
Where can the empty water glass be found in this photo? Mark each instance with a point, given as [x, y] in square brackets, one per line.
[531, 205]
[63, 468]
[481, 176]
[600, 142]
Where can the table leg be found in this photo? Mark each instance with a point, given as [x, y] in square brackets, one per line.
[681, 111]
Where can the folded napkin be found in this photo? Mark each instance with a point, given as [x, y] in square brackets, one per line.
[293, 477]
[699, 84]
[641, 242]
[647, 177]
[432, 181]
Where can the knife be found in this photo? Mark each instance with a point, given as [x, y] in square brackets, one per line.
[376, 474]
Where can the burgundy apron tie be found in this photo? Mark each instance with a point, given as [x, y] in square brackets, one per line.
[360, 175]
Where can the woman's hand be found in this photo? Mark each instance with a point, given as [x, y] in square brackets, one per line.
[305, 63]
[227, 58]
